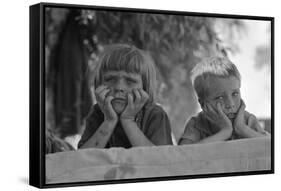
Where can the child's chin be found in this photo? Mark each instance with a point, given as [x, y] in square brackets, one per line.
[118, 108]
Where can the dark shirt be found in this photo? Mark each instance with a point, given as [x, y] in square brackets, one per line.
[152, 120]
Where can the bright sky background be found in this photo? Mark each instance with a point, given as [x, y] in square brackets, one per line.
[256, 84]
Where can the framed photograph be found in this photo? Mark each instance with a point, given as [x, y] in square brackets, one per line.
[122, 95]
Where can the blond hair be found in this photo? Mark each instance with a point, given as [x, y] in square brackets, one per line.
[128, 58]
[213, 66]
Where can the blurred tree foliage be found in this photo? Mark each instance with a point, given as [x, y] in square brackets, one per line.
[175, 42]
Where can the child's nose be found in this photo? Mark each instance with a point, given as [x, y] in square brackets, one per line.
[120, 86]
[229, 103]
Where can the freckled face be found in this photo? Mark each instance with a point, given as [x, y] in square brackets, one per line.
[227, 92]
[120, 84]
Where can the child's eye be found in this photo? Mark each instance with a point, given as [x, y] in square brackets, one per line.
[131, 81]
[219, 98]
[235, 94]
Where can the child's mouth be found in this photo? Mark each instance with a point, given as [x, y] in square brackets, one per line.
[231, 115]
[119, 100]
[119, 104]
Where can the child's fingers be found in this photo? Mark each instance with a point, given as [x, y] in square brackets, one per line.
[241, 108]
[251, 120]
[239, 120]
[210, 109]
[100, 89]
[144, 95]
[102, 95]
[107, 101]
[242, 105]
[210, 113]
[220, 111]
[137, 95]
[206, 108]
[130, 99]
[219, 108]
[109, 111]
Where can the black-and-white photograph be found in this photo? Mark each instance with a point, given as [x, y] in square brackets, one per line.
[136, 95]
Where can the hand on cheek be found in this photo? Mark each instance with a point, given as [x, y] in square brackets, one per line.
[134, 105]
[216, 116]
[104, 102]
[239, 121]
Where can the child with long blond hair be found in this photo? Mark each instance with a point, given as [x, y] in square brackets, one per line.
[125, 114]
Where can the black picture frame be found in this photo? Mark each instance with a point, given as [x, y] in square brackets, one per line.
[37, 160]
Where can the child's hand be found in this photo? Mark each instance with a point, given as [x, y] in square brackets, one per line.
[134, 106]
[104, 102]
[217, 116]
[239, 121]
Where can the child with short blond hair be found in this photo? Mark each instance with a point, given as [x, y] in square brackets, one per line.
[223, 117]
[125, 114]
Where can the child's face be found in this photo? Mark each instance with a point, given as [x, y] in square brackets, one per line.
[226, 91]
[120, 84]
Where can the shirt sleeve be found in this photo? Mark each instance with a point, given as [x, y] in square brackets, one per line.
[253, 123]
[191, 134]
[93, 121]
[159, 128]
